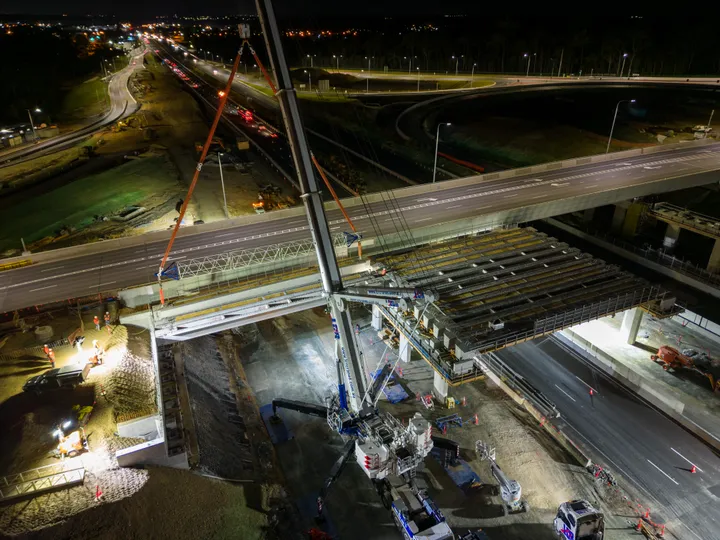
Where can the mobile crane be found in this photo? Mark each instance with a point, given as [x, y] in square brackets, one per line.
[384, 448]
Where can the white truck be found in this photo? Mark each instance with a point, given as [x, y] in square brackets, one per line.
[579, 520]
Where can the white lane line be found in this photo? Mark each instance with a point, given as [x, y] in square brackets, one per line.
[334, 228]
[102, 285]
[178, 258]
[455, 206]
[686, 459]
[538, 197]
[43, 288]
[51, 269]
[586, 384]
[564, 392]
[226, 234]
[666, 474]
[590, 187]
[510, 196]
[423, 219]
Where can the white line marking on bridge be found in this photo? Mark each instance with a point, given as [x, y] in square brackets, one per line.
[226, 234]
[102, 285]
[666, 474]
[510, 196]
[564, 392]
[594, 185]
[686, 459]
[423, 219]
[42, 288]
[51, 269]
[455, 206]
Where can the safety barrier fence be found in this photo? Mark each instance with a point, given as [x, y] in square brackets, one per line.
[39, 480]
[480, 343]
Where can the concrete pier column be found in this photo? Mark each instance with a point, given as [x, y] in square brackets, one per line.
[714, 262]
[672, 233]
[440, 387]
[405, 349]
[631, 324]
[376, 321]
[619, 217]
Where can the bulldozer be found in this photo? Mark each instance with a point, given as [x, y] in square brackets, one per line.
[216, 145]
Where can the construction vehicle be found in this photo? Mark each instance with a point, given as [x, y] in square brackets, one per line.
[690, 360]
[510, 490]
[216, 145]
[269, 199]
[579, 520]
[71, 444]
[67, 377]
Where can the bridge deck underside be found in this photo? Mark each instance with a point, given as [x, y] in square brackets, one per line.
[694, 221]
[506, 286]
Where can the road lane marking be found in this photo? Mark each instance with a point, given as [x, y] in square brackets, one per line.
[43, 288]
[666, 474]
[590, 187]
[538, 197]
[455, 206]
[102, 285]
[226, 234]
[510, 196]
[564, 392]
[586, 384]
[423, 219]
[686, 459]
[51, 269]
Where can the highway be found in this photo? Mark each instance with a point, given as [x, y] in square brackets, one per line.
[109, 271]
[122, 104]
[632, 440]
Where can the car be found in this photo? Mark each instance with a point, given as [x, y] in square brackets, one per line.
[66, 377]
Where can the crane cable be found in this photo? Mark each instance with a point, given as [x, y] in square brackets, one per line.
[312, 156]
[221, 107]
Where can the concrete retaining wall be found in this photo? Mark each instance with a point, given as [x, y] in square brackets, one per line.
[146, 427]
[150, 453]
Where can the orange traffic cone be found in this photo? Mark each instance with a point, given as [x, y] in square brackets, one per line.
[639, 525]
[693, 469]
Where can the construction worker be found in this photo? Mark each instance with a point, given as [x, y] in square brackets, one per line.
[46, 349]
[98, 352]
[96, 322]
[107, 321]
[51, 357]
[79, 340]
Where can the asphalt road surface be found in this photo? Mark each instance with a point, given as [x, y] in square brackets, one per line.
[631, 439]
[122, 104]
[110, 271]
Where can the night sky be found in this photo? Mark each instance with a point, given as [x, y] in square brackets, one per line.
[311, 8]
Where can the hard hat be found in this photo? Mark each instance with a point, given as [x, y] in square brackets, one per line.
[95, 342]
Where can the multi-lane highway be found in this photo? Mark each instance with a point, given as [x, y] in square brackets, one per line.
[632, 440]
[122, 104]
[111, 270]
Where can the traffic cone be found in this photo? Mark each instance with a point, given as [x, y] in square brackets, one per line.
[639, 525]
[693, 469]
[98, 493]
[475, 419]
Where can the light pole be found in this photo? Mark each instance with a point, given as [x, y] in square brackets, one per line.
[311, 60]
[418, 72]
[309, 80]
[457, 60]
[222, 183]
[623, 64]
[337, 61]
[527, 73]
[32, 124]
[612, 128]
[472, 75]
[437, 143]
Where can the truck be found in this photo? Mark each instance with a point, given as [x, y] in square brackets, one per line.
[66, 377]
[579, 520]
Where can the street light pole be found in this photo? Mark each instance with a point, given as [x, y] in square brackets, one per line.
[623, 64]
[612, 128]
[526, 55]
[418, 72]
[222, 183]
[472, 75]
[437, 144]
[32, 125]
[457, 61]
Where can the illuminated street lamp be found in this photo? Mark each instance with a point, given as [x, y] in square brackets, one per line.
[625, 55]
[437, 143]
[311, 60]
[527, 73]
[418, 72]
[221, 93]
[457, 60]
[309, 74]
[337, 61]
[472, 75]
[612, 128]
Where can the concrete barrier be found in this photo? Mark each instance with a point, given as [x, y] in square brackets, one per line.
[150, 453]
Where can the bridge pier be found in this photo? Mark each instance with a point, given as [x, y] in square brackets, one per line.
[588, 215]
[377, 320]
[440, 387]
[631, 324]
[405, 349]
[714, 262]
[672, 233]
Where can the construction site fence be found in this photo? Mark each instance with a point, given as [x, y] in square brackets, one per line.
[41, 479]
[583, 314]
